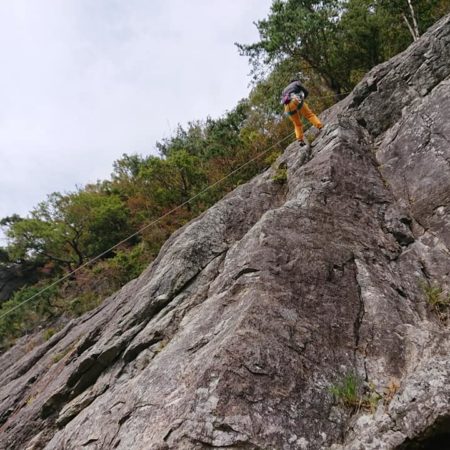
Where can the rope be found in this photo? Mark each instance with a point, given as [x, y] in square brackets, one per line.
[68, 275]
[87, 263]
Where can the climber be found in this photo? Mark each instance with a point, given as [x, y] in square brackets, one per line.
[292, 98]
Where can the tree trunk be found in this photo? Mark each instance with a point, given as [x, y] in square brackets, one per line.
[412, 27]
[413, 15]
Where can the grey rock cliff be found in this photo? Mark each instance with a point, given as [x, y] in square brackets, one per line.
[234, 335]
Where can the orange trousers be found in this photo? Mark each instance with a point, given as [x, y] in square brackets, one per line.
[297, 119]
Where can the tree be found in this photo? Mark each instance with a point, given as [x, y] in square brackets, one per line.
[127, 167]
[336, 40]
[173, 180]
[68, 229]
[306, 31]
[415, 15]
[191, 140]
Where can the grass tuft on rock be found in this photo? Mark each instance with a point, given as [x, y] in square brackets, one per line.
[352, 392]
[437, 299]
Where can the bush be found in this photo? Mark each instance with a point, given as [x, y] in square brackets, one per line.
[130, 264]
[83, 303]
[25, 318]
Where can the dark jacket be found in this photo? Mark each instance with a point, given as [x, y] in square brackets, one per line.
[294, 87]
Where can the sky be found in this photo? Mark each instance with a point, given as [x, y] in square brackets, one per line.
[84, 81]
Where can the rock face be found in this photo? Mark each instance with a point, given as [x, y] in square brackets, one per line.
[234, 336]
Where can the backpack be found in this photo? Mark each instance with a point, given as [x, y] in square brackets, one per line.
[286, 99]
[298, 96]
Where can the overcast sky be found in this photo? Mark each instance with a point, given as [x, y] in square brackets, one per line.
[83, 81]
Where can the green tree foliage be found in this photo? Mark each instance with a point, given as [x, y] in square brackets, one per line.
[67, 229]
[337, 40]
[426, 12]
[395, 18]
[362, 46]
[191, 140]
[306, 31]
[173, 180]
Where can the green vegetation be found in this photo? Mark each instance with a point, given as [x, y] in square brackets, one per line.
[332, 43]
[438, 300]
[334, 40]
[49, 333]
[353, 393]
[280, 175]
[347, 390]
[26, 319]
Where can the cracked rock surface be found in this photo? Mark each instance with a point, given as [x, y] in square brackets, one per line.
[233, 337]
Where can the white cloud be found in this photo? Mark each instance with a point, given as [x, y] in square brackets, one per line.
[84, 81]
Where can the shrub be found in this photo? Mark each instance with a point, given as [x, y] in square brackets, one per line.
[24, 319]
[130, 264]
[83, 303]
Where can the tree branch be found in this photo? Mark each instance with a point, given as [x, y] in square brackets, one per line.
[409, 27]
[413, 15]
